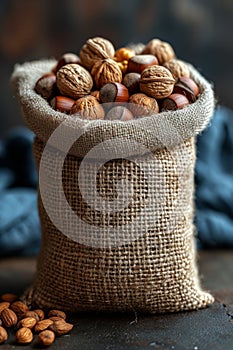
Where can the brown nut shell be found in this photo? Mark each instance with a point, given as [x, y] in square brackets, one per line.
[9, 318]
[88, 108]
[24, 336]
[143, 105]
[61, 327]
[4, 305]
[66, 58]
[28, 322]
[174, 102]
[19, 308]
[157, 82]
[46, 86]
[62, 103]
[138, 63]
[74, 81]
[131, 81]
[119, 113]
[96, 49]
[42, 325]
[114, 92]
[3, 335]
[161, 49]
[106, 71]
[46, 338]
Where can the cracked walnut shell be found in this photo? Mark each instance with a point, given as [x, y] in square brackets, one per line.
[157, 82]
[96, 49]
[161, 49]
[74, 81]
[106, 71]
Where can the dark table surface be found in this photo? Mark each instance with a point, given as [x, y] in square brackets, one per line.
[211, 328]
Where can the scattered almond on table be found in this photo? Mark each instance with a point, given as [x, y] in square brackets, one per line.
[30, 324]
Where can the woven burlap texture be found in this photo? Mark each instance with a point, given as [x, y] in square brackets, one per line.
[152, 267]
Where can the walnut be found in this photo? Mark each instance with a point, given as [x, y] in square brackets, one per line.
[106, 71]
[161, 49]
[74, 81]
[142, 105]
[88, 108]
[178, 68]
[96, 49]
[157, 82]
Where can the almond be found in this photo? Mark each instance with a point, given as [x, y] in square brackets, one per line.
[9, 297]
[24, 335]
[46, 337]
[19, 308]
[56, 318]
[3, 335]
[60, 327]
[42, 325]
[4, 305]
[9, 318]
[28, 322]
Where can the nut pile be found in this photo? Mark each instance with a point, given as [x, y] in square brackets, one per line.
[142, 80]
[16, 315]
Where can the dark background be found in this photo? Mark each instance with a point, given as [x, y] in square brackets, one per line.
[200, 30]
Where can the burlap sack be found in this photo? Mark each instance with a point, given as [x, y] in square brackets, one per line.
[141, 256]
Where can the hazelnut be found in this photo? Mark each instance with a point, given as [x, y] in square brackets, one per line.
[157, 82]
[114, 92]
[61, 327]
[131, 81]
[139, 62]
[3, 335]
[189, 83]
[24, 336]
[183, 88]
[119, 113]
[46, 86]
[142, 105]
[106, 71]
[96, 49]
[74, 81]
[161, 49]
[88, 108]
[174, 101]
[62, 103]
[178, 68]
[46, 337]
[66, 58]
